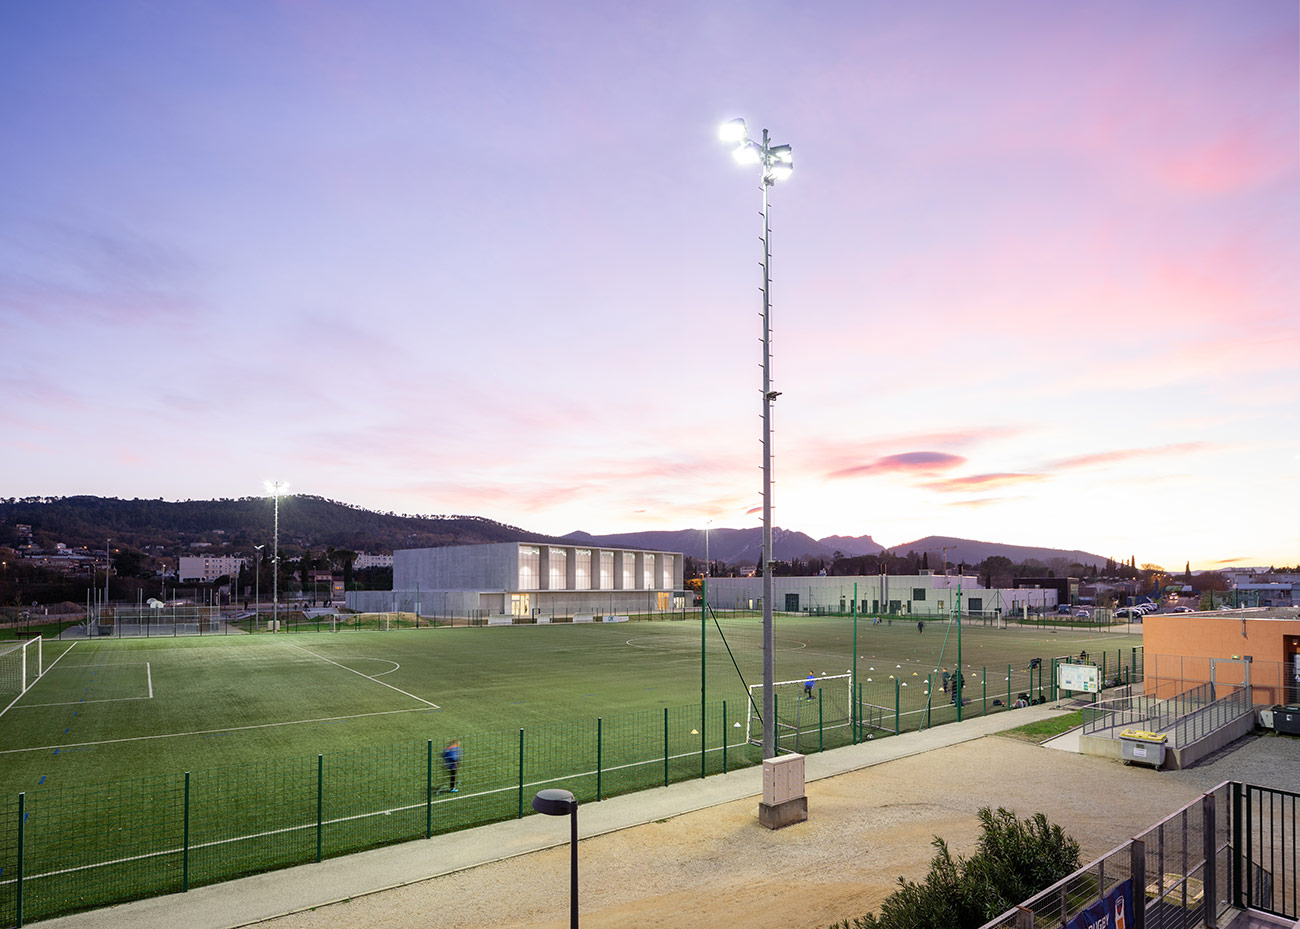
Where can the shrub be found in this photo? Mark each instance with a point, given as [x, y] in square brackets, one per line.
[1015, 860]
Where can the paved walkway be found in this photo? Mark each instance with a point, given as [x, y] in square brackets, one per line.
[276, 893]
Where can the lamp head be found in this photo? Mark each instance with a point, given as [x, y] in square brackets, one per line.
[748, 153]
[554, 802]
[733, 130]
[276, 488]
[780, 170]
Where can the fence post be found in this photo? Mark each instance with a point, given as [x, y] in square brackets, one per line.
[821, 726]
[1209, 874]
[724, 736]
[22, 825]
[897, 730]
[1137, 869]
[665, 746]
[320, 805]
[1008, 687]
[600, 745]
[984, 687]
[520, 814]
[185, 853]
[428, 791]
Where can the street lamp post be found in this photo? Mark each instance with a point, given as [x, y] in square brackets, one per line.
[276, 488]
[556, 802]
[777, 162]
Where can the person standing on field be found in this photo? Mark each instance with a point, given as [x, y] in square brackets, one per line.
[451, 761]
[808, 685]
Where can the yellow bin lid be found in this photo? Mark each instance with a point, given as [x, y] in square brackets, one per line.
[1142, 735]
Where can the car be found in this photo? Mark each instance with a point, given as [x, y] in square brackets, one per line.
[1083, 613]
[1128, 612]
[1183, 609]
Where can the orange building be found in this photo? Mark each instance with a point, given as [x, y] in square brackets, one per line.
[1178, 648]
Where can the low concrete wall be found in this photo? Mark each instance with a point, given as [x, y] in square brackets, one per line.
[1182, 757]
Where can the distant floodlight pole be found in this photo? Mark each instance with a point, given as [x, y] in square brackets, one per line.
[257, 583]
[777, 162]
[556, 802]
[276, 488]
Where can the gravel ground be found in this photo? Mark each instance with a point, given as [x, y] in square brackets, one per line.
[864, 830]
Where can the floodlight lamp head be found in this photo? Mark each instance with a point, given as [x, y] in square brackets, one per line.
[781, 153]
[276, 488]
[733, 130]
[780, 170]
[748, 153]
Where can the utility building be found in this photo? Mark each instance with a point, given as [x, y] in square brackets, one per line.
[529, 581]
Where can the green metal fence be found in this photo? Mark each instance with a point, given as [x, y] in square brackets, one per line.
[78, 848]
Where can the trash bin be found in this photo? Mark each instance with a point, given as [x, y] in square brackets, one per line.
[1142, 747]
[1286, 718]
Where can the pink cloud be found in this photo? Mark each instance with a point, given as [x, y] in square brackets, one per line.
[1127, 454]
[905, 463]
[983, 482]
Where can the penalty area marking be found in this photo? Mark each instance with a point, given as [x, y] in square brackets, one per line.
[367, 676]
[148, 673]
[176, 735]
[44, 672]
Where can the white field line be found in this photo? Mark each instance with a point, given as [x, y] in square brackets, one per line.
[44, 671]
[366, 676]
[37, 706]
[148, 676]
[176, 735]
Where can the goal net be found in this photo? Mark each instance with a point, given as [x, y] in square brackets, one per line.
[802, 712]
[20, 665]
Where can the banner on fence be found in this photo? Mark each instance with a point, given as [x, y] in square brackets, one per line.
[1110, 912]
[1079, 678]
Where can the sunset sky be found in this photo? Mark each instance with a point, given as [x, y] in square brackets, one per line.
[1036, 274]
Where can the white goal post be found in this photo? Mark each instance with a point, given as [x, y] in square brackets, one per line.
[20, 665]
[831, 705]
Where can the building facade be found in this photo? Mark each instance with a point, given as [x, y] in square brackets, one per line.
[207, 567]
[921, 595]
[529, 580]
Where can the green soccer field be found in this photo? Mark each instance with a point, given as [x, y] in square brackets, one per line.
[116, 708]
[307, 745]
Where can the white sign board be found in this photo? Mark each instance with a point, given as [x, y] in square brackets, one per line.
[1080, 678]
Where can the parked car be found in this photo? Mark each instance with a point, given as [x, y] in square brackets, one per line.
[1084, 614]
[1129, 612]
[1182, 609]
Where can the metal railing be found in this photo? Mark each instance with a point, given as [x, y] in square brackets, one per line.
[1265, 823]
[1179, 871]
[1200, 723]
[1156, 714]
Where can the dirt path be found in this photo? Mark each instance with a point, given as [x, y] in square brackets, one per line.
[719, 868]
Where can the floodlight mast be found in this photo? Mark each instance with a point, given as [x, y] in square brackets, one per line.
[276, 488]
[777, 163]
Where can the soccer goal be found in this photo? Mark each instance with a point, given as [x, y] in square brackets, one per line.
[800, 714]
[20, 665]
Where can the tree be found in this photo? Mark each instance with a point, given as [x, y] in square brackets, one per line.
[1187, 573]
[925, 561]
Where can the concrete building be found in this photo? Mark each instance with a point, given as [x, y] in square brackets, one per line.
[921, 595]
[1179, 648]
[207, 567]
[529, 580]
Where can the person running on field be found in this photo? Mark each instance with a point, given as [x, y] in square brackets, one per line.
[808, 685]
[920, 626]
[946, 678]
[451, 761]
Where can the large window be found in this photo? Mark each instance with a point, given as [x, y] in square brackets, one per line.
[606, 570]
[530, 567]
[582, 569]
[668, 572]
[918, 593]
[559, 562]
[629, 571]
[648, 573]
